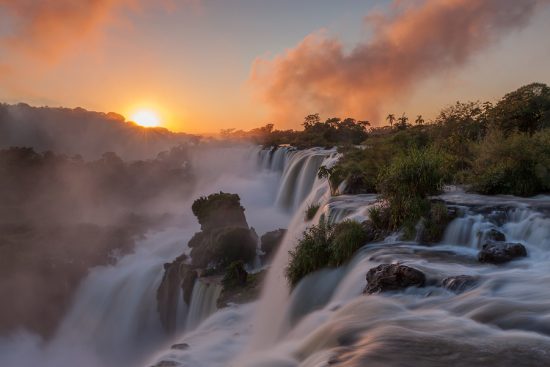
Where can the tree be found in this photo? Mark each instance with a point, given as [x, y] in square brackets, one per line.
[525, 110]
[325, 172]
[419, 120]
[402, 122]
[311, 120]
[391, 119]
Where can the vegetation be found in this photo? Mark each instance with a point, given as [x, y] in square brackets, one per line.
[235, 275]
[311, 210]
[492, 149]
[206, 207]
[324, 245]
[61, 215]
[316, 133]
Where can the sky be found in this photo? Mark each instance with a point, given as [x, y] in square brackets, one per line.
[207, 65]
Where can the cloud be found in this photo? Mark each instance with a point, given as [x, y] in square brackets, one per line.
[411, 41]
[47, 28]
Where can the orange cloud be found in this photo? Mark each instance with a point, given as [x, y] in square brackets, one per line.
[49, 27]
[414, 40]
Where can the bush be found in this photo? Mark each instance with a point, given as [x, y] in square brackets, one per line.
[235, 275]
[346, 238]
[515, 165]
[406, 183]
[322, 246]
[311, 211]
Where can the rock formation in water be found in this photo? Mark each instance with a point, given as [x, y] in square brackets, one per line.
[225, 238]
[499, 253]
[392, 277]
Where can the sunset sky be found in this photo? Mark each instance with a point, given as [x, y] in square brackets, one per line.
[206, 65]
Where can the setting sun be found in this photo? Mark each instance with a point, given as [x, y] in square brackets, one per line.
[145, 117]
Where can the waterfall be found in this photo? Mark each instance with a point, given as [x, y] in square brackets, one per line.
[326, 319]
[203, 302]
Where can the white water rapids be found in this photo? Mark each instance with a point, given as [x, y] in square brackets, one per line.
[504, 320]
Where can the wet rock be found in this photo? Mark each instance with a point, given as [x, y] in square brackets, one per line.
[391, 277]
[270, 241]
[181, 346]
[499, 253]
[495, 235]
[460, 283]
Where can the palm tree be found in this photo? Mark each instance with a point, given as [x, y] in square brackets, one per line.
[391, 119]
[419, 120]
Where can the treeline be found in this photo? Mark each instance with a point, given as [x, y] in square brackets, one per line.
[316, 133]
[61, 215]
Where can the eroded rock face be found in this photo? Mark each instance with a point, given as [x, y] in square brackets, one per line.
[500, 253]
[460, 283]
[177, 275]
[270, 243]
[392, 277]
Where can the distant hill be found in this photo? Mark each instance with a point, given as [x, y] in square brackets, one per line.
[78, 131]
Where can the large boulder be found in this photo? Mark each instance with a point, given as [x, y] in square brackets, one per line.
[392, 277]
[499, 252]
[270, 242]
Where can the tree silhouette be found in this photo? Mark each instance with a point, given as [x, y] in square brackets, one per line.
[391, 119]
[402, 122]
[419, 120]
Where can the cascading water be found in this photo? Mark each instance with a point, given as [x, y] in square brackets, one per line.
[203, 302]
[326, 320]
[113, 320]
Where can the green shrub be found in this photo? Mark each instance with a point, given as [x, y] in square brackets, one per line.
[311, 253]
[311, 211]
[235, 275]
[322, 246]
[406, 183]
[346, 238]
[517, 165]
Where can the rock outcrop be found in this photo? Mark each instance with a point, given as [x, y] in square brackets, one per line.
[392, 277]
[500, 253]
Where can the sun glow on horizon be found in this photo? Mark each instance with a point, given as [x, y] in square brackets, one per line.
[146, 117]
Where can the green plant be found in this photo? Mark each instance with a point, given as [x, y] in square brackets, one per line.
[322, 246]
[517, 164]
[311, 210]
[346, 238]
[311, 253]
[235, 275]
[405, 185]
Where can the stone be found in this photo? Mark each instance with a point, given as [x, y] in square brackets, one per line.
[392, 277]
[495, 235]
[499, 252]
